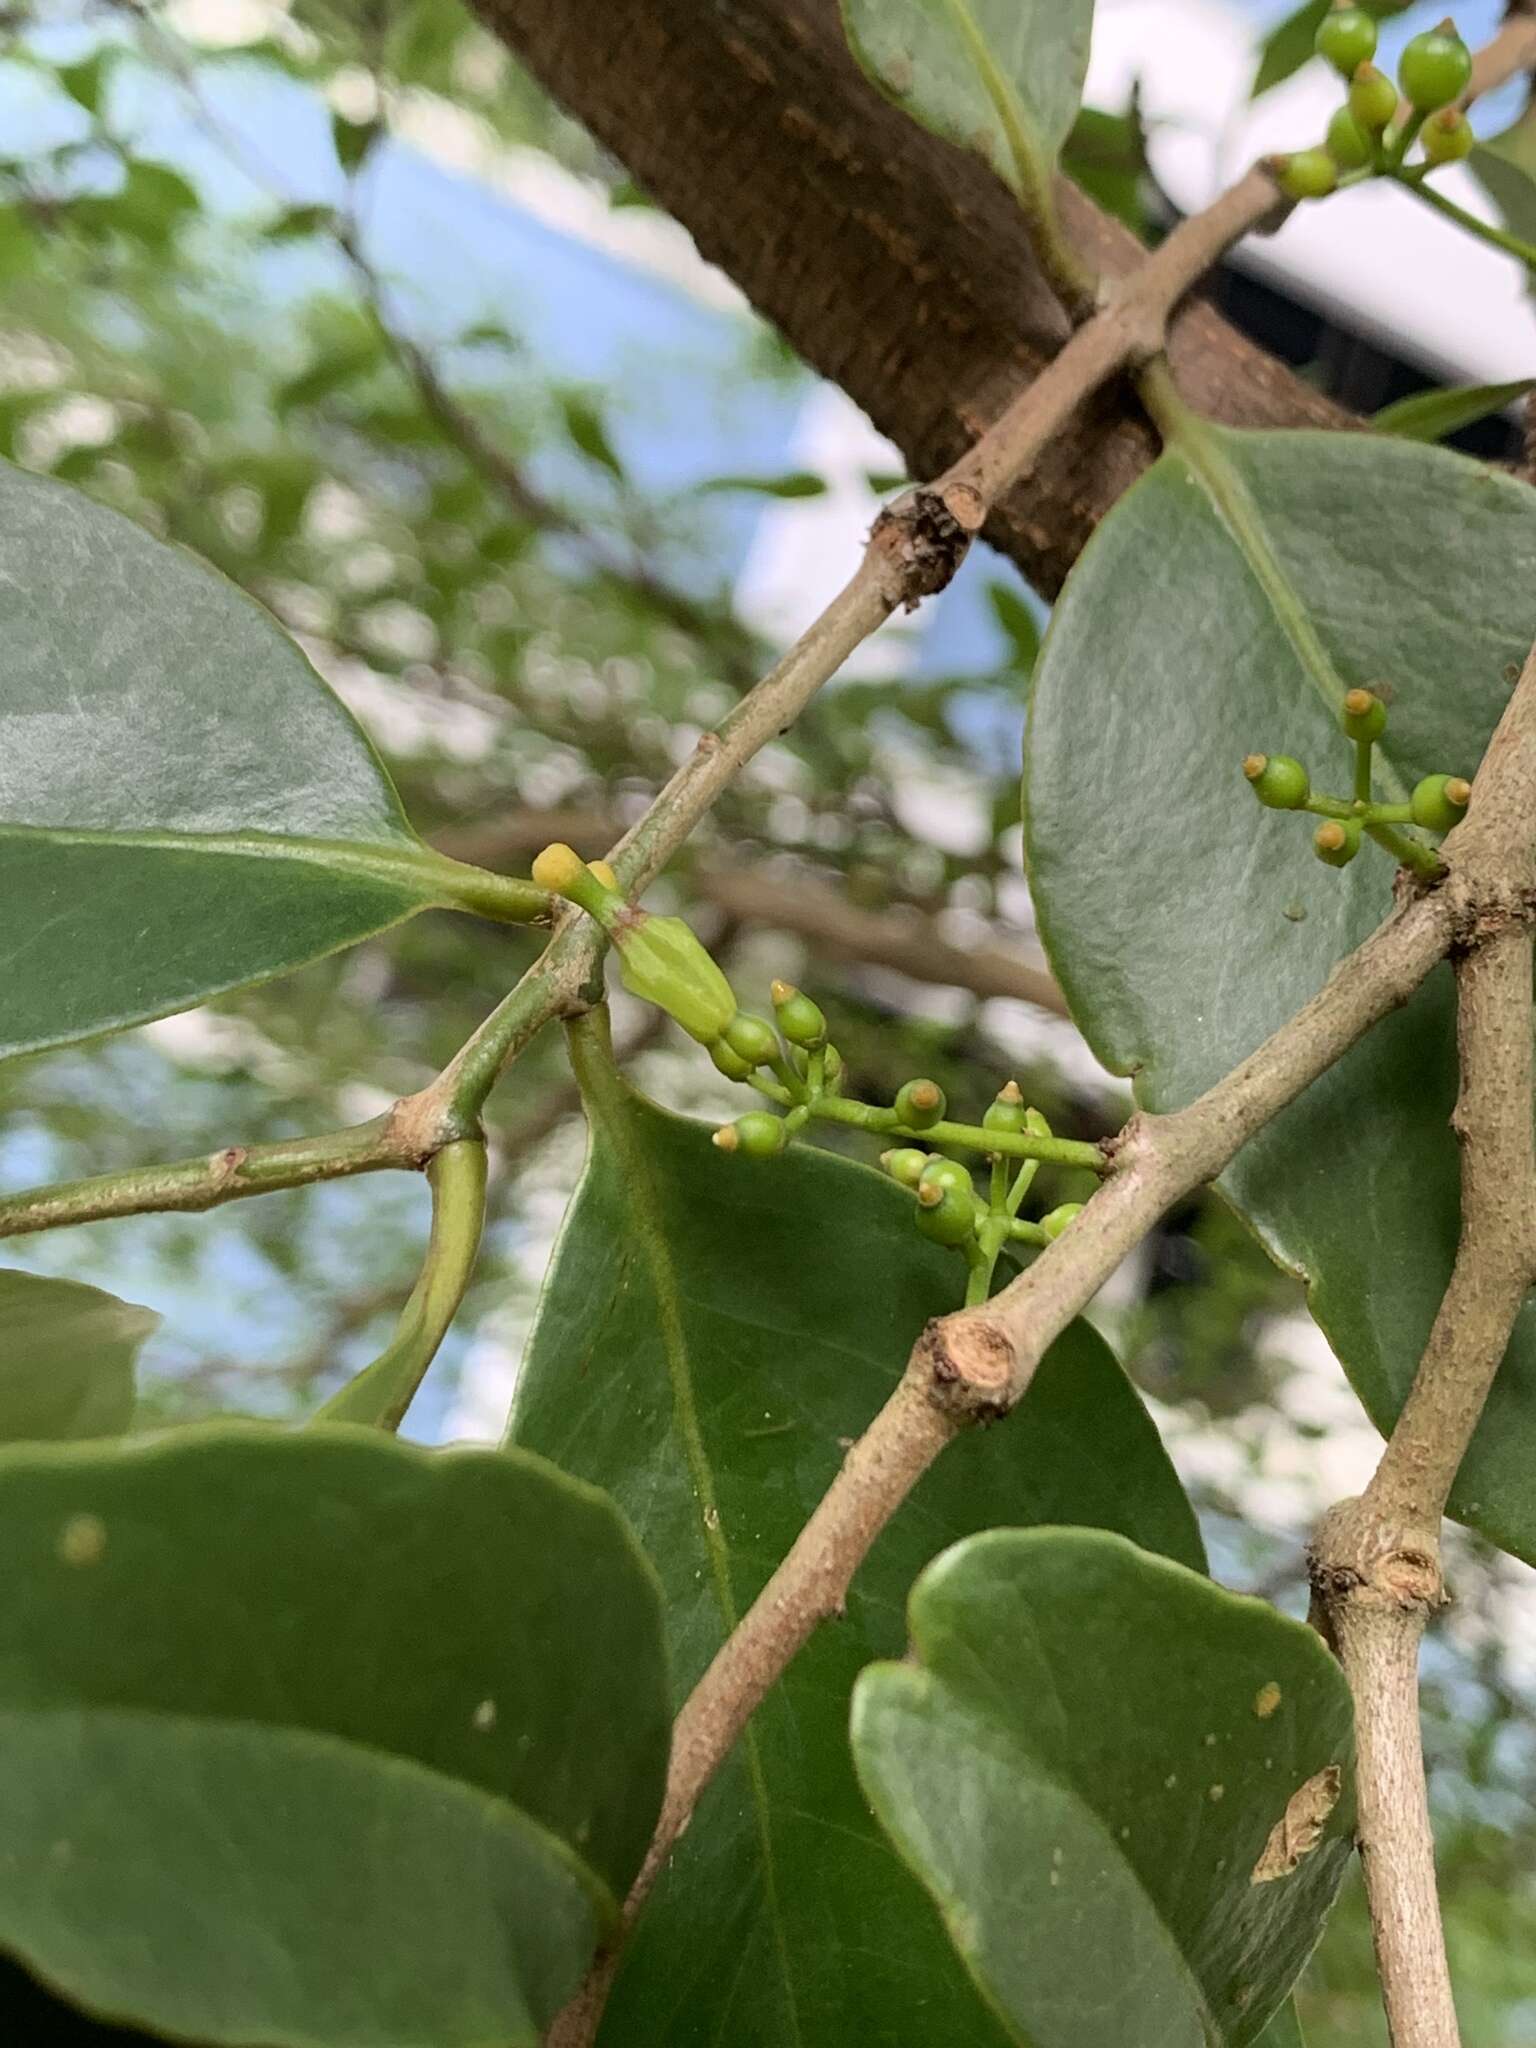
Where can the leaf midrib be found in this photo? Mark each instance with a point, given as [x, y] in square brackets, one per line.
[1198, 446]
[415, 870]
[609, 1101]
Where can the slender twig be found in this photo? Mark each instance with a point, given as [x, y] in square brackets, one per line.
[1471, 223]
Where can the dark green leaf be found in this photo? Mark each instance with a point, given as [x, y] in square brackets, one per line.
[1224, 606]
[357, 1725]
[1433, 415]
[334, 367]
[1018, 621]
[353, 141]
[715, 1332]
[66, 1358]
[1289, 45]
[796, 483]
[588, 433]
[184, 806]
[1001, 77]
[294, 223]
[1106, 154]
[153, 203]
[1090, 1765]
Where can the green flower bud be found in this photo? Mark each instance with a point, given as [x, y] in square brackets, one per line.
[1035, 1123]
[1372, 98]
[660, 958]
[1350, 145]
[833, 1069]
[939, 1172]
[1434, 68]
[730, 1062]
[662, 962]
[799, 1018]
[1440, 801]
[1007, 1111]
[905, 1165]
[947, 1215]
[1447, 136]
[1279, 782]
[1309, 174]
[919, 1104]
[1337, 841]
[1364, 716]
[753, 1038]
[1346, 39]
[758, 1134]
[1054, 1224]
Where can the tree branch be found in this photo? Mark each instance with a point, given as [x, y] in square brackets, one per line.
[1375, 1561]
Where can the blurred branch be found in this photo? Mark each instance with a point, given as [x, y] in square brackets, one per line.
[908, 942]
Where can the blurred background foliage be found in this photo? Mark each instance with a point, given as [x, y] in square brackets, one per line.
[266, 285]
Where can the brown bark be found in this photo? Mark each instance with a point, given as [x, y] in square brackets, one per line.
[896, 265]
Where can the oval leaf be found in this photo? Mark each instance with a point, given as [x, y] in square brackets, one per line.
[1001, 77]
[706, 1349]
[373, 1737]
[66, 1358]
[1225, 606]
[184, 805]
[1086, 1766]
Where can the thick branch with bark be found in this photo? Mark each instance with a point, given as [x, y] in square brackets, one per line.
[895, 265]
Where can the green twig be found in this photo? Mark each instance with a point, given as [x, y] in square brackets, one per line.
[382, 1392]
[1484, 230]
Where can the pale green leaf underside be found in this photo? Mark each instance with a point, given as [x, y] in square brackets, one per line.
[278, 1663]
[1224, 612]
[1085, 1766]
[66, 1358]
[184, 805]
[1002, 77]
[1432, 415]
[705, 1351]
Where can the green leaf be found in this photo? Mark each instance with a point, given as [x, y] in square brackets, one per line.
[84, 81]
[1289, 45]
[1019, 621]
[66, 1358]
[184, 806]
[708, 1344]
[354, 140]
[588, 433]
[1001, 77]
[1505, 166]
[1106, 154]
[373, 1737]
[796, 483]
[294, 223]
[153, 203]
[1432, 415]
[1087, 1765]
[1225, 606]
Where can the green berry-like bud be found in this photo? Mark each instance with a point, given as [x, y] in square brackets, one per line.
[1364, 716]
[1372, 98]
[833, 1069]
[1350, 146]
[1337, 841]
[1440, 802]
[1309, 174]
[919, 1104]
[799, 1018]
[905, 1165]
[1434, 68]
[1054, 1224]
[1279, 782]
[947, 1215]
[939, 1172]
[753, 1038]
[1035, 1123]
[1346, 39]
[758, 1134]
[1006, 1112]
[729, 1062]
[1447, 136]
[662, 962]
